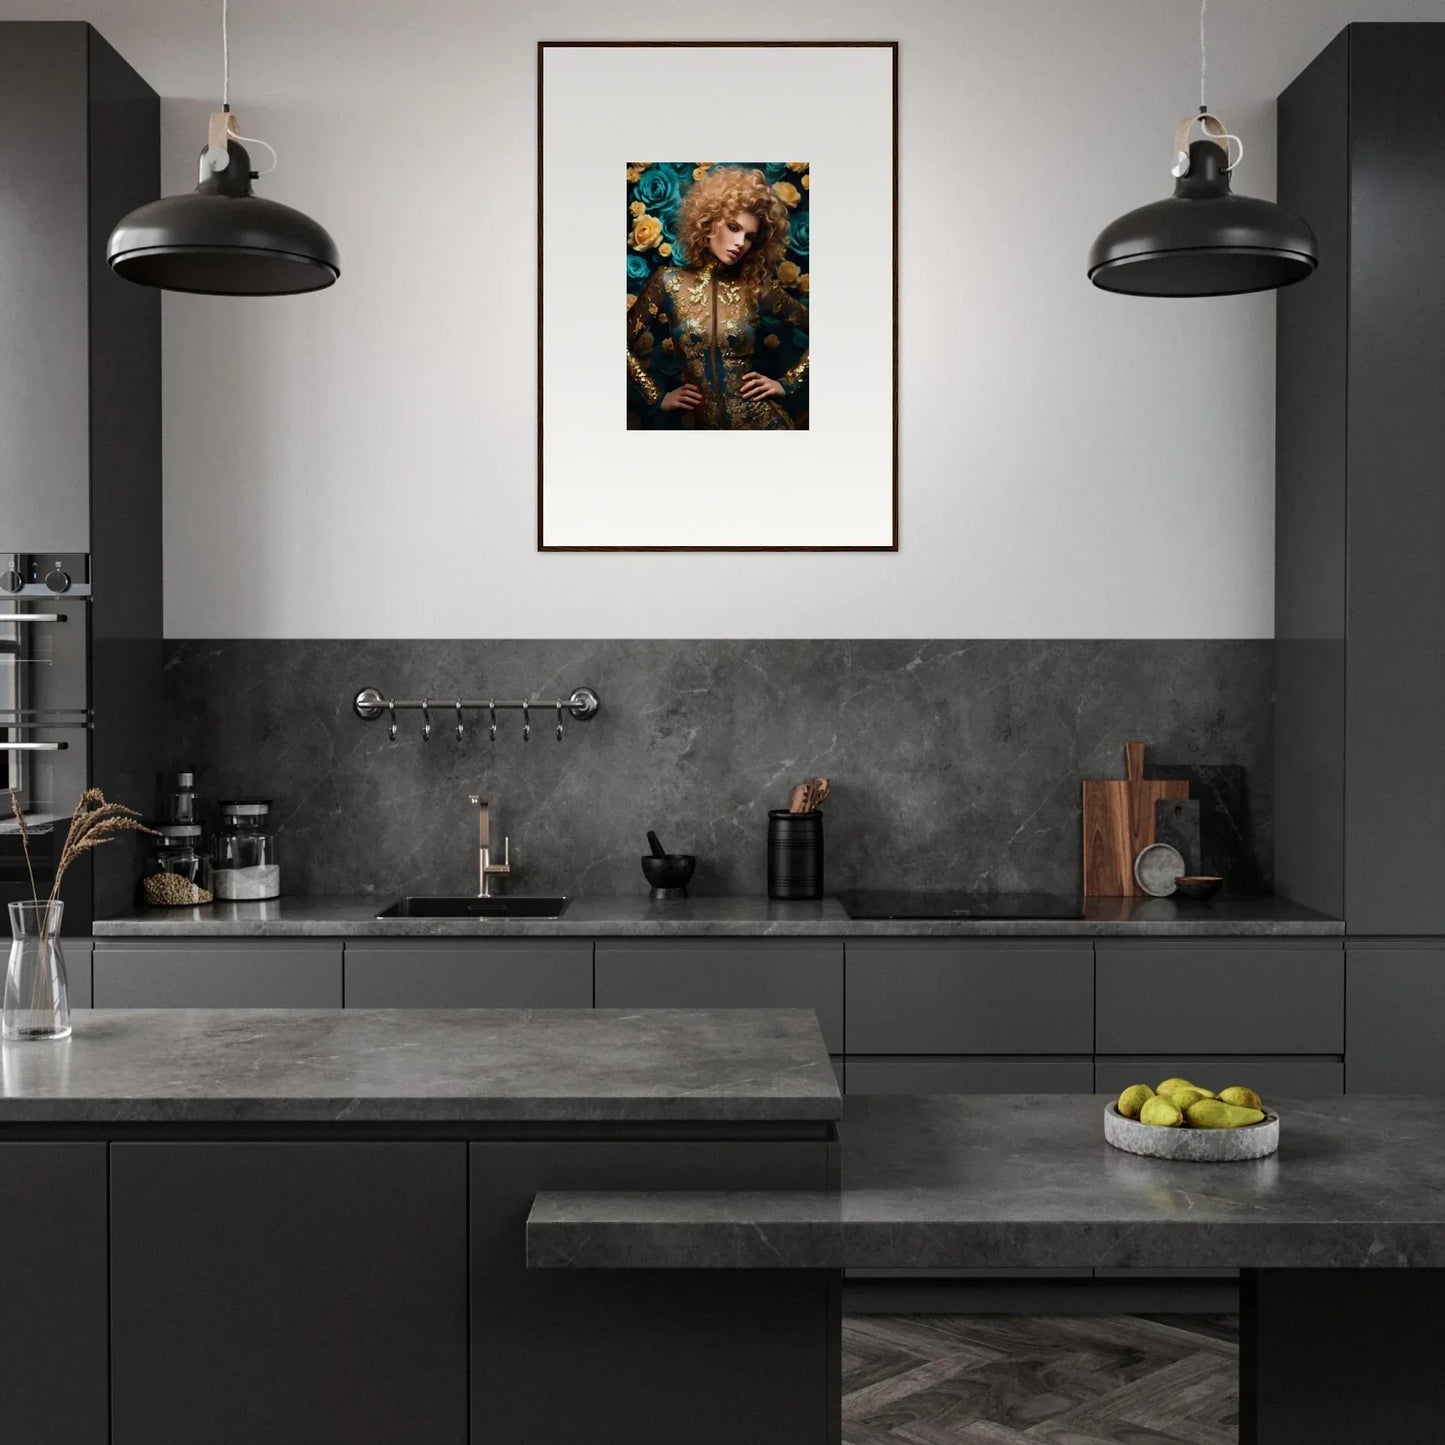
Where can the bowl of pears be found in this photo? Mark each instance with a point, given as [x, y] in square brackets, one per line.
[1182, 1120]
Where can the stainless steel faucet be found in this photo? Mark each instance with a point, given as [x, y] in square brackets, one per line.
[487, 870]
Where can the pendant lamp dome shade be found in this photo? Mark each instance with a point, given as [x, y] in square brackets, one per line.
[222, 239]
[1203, 240]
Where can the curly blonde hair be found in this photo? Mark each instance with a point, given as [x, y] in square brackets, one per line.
[720, 193]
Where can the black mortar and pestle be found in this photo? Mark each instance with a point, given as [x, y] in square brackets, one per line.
[667, 872]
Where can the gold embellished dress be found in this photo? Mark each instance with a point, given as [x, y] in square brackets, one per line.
[714, 328]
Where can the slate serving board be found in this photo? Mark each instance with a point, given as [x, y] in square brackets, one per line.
[1222, 793]
[1176, 822]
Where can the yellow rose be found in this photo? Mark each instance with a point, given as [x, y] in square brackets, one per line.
[770, 341]
[803, 283]
[664, 249]
[788, 273]
[798, 166]
[643, 343]
[646, 232]
[787, 193]
[637, 208]
[807, 183]
[631, 301]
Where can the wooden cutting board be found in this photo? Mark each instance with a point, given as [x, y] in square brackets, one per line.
[1119, 823]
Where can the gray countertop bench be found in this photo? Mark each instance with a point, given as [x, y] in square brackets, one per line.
[1028, 1181]
[236, 1067]
[747, 917]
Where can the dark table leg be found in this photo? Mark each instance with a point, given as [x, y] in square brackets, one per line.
[1342, 1357]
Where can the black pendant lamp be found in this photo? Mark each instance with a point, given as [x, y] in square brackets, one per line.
[1203, 240]
[222, 239]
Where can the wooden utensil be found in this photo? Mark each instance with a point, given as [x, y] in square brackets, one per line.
[1119, 824]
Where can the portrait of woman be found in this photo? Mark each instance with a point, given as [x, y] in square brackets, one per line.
[717, 320]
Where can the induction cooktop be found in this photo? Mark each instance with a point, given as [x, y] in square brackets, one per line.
[880, 903]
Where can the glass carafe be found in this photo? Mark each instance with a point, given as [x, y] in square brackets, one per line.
[37, 1001]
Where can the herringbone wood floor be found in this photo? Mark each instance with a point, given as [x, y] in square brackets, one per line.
[1040, 1380]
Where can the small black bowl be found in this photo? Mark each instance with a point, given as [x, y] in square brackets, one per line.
[669, 874]
[1200, 887]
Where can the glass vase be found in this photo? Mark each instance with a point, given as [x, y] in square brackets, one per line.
[37, 1001]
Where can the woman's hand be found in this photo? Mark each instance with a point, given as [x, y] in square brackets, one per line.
[757, 387]
[683, 398]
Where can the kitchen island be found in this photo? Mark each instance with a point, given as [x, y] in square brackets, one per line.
[1341, 1235]
[309, 1226]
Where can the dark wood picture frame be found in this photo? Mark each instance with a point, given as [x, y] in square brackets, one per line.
[542, 47]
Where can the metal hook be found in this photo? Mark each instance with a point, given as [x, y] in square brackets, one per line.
[461, 726]
[492, 730]
[391, 708]
[426, 719]
[559, 722]
[526, 723]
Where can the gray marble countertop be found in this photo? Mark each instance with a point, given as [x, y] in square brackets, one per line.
[1015, 1181]
[423, 1066]
[743, 917]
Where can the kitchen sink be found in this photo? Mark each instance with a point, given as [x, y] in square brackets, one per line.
[474, 907]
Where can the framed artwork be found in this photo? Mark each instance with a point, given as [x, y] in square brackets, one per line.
[754, 405]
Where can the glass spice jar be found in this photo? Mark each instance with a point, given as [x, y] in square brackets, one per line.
[177, 868]
[243, 856]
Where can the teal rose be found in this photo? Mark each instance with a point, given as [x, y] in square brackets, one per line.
[798, 234]
[659, 190]
[637, 271]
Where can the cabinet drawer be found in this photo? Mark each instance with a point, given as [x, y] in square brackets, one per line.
[217, 974]
[733, 974]
[1206, 999]
[1297, 1078]
[970, 1076]
[1397, 999]
[493, 974]
[950, 998]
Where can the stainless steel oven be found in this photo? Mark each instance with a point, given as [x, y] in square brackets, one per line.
[45, 716]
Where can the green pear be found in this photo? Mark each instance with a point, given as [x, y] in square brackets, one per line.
[1183, 1098]
[1159, 1111]
[1215, 1114]
[1245, 1098]
[1133, 1099]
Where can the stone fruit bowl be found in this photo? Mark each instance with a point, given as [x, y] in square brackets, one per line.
[1195, 1146]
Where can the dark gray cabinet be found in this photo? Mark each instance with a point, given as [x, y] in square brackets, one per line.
[951, 996]
[970, 1076]
[646, 1357]
[488, 973]
[1397, 1002]
[1282, 1077]
[53, 1329]
[740, 973]
[218, 973]
[1158, 997]
[77, 953]
[297, 1293]
[1360, 433]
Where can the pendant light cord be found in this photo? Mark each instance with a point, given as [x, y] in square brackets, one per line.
[1203, 56]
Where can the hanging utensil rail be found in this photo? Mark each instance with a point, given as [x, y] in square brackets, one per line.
[370, 704]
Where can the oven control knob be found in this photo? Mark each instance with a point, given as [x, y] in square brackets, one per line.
[11, 581]
[58, 580]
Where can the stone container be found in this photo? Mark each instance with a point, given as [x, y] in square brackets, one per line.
[1193, 1146]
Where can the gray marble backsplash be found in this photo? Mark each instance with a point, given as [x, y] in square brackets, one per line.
[953, 764]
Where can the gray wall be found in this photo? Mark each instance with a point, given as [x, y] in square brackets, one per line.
[954, 764]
